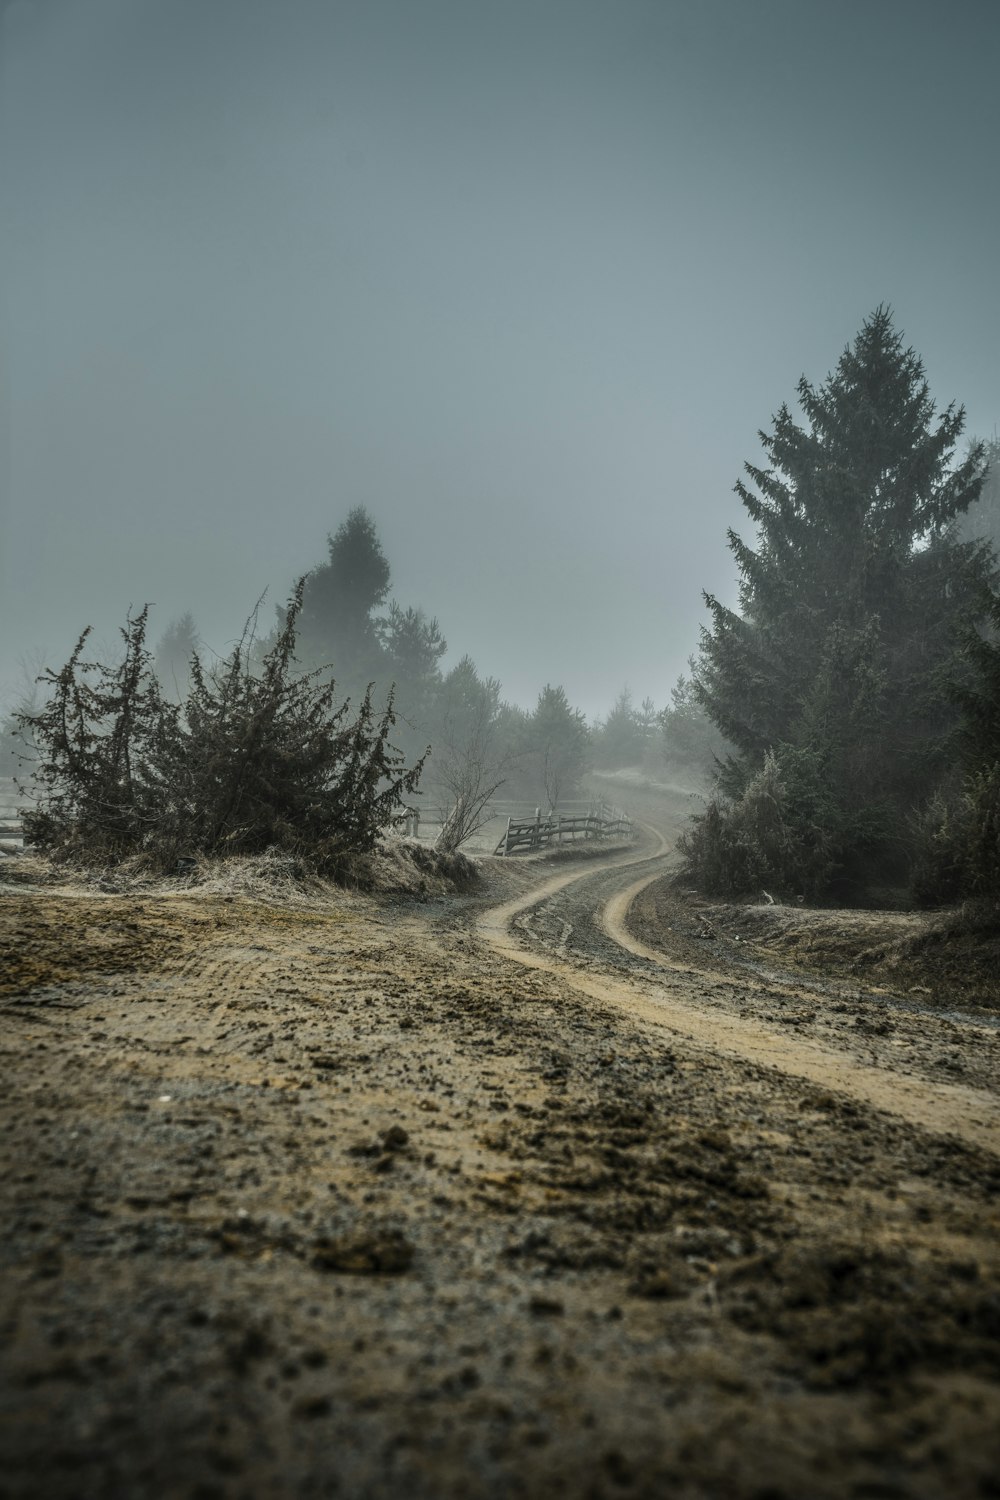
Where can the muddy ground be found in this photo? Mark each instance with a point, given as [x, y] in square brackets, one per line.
[332, 1194]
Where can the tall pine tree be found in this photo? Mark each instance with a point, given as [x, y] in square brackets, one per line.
[837, 664]
[338, 623]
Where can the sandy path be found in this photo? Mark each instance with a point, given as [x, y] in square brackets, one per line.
[971, 1114]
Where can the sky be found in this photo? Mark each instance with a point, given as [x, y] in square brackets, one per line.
[525, 279]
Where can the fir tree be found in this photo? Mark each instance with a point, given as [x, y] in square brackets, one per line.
[840, 657]
[413, 647]
[617, 739]
[560, 743]
[981, 522]
[178, 644]
[338, 624]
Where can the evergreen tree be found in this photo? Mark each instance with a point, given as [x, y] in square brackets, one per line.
[690, 740]
[981, 522]
[178, 644]
[838, 661]
[413, 647]
[980, 698]
[617, 738]
[560, 744]
[338, 625]
[413, 644]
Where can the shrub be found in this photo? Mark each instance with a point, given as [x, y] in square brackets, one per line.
[250, 760]
[772, 833]
[93, 738]
[958, 841]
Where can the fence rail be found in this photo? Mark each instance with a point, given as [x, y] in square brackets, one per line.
[12, 805]
[538, 832]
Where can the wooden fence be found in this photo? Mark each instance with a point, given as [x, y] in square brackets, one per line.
[537, 833]
[12, 803]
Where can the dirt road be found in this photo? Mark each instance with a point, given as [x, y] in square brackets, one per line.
[375, 1197]
[668, 993]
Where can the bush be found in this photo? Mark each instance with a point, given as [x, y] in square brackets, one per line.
[774, 833]
[250, 760]
[958, 841]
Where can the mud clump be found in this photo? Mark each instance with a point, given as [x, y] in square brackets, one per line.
[853, 1315]
[364, 1252]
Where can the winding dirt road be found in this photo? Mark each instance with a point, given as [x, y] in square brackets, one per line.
[666, 1000]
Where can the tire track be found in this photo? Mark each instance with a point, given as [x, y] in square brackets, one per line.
[666, 1000]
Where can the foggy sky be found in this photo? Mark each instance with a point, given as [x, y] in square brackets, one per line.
[524, 279]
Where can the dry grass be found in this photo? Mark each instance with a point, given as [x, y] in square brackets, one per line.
[398, 866]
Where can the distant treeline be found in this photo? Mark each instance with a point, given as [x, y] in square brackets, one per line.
[474, 740]
[312, 736]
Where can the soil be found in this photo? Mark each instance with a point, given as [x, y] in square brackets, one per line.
[561, 1185]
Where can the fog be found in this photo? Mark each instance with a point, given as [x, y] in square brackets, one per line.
[522, 279]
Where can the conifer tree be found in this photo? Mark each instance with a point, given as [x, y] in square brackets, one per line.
[560, 743]
[840, 657]
[172, 661]
[250, 760]
[617, 739]
[413, 647]
[981, 522]
[338, 624]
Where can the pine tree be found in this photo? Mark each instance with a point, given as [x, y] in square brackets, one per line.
[413, 647]
[690, 741]
[617, 739]
[178, 644]
[981, 522]
[560, 744]
[958, 852]
[839, 659]
[338, 624]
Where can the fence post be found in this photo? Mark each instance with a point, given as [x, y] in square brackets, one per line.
[506, 839]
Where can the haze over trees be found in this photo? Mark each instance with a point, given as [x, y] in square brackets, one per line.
[476, 742]
[559, 745]
[691, 742]
[981, 522]
[839, 678]
[340, 601]
[850, 702]
[178, 644]
[137, 753]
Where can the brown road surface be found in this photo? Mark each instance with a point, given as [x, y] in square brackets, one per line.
[534, 1191]
[668, 1004]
